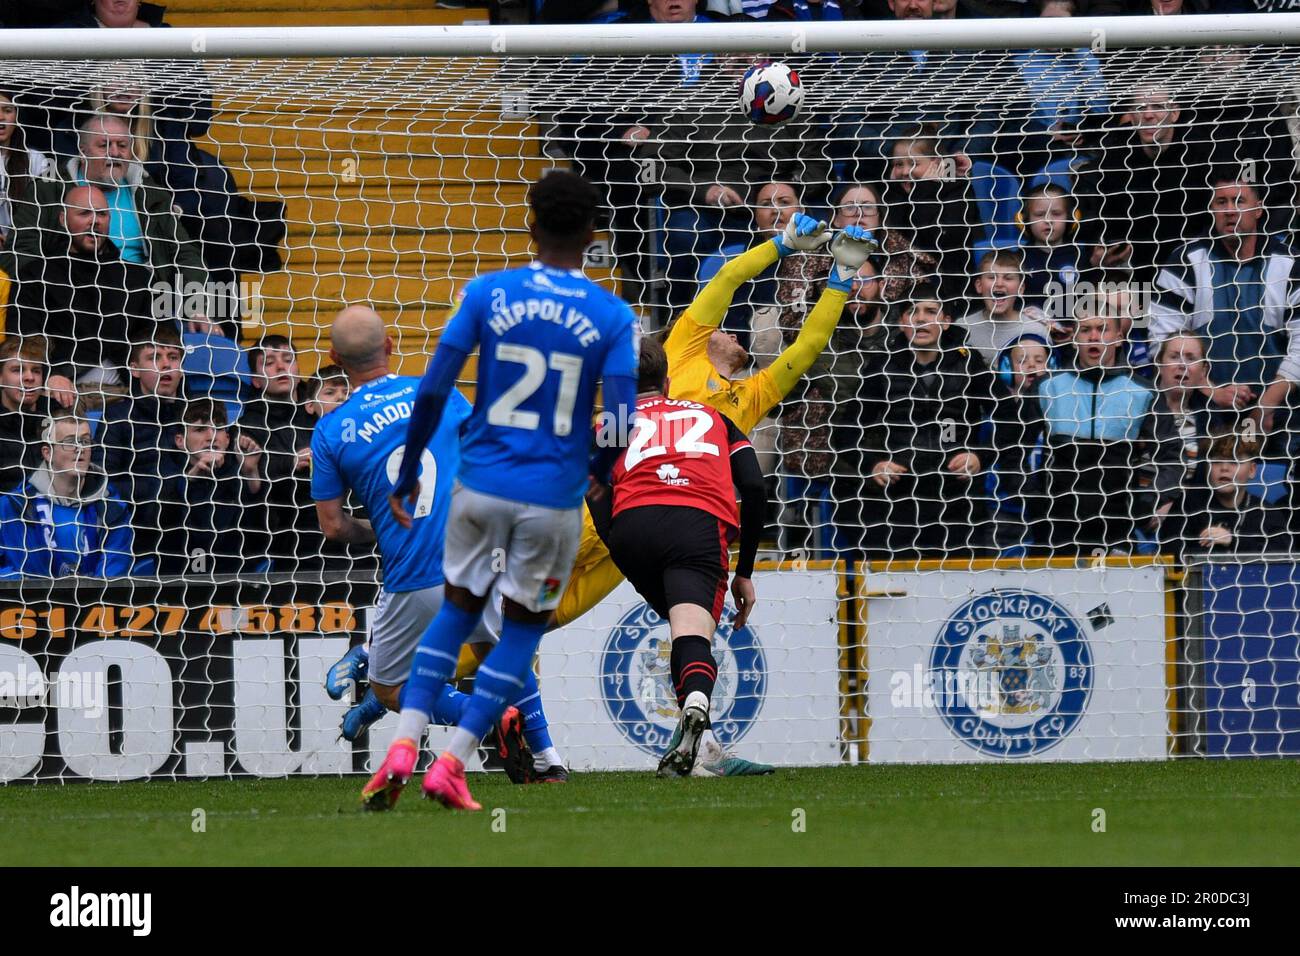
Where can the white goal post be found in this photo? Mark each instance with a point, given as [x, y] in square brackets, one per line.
[1059, 528]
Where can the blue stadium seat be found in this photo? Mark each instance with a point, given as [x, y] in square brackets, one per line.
[1270, 482]
[711, 265]
[1059, 172]
[997, 195]
[215, 367]
[94, 416]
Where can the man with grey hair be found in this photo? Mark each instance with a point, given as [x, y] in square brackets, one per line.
[143, 223]
[358, 448]
[82, 296]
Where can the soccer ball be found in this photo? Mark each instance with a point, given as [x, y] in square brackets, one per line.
[770, 94]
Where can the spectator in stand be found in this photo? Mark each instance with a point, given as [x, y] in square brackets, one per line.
[65, 519]
[1237, 289]
[908, 88]
[230, 233]
[1148, 191]
[117, 14]
[1001, 319]
[1050, 254]
[774, 205]
[907, 444]
[927, 198]
[712, 165]
[138, 434]
[802, 11]
[281, 426]
[805, 434]
[24, 406]
[609, 141]
[898, 266]
[1223, 516]
[83, 297]
[1066, 95]
[19, 166]
[212, 490]
[1094, 413]
[326, 391]
[1120, 296]
[1015, 479]
[143, 223]
[1180, 424]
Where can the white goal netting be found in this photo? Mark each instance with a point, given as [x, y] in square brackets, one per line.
[1032, 485]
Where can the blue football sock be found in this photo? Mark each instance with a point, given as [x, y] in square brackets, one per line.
[436, 657]
[536, 731]
[503, 675]
[449, 708]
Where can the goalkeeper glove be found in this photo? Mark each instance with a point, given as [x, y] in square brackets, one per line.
[851, 248]
[802, 234]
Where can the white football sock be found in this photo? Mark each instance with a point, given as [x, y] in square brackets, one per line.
[411, 724]
[550, 757]
[463, 743]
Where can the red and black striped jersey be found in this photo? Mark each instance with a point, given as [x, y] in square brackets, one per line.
[679, 454]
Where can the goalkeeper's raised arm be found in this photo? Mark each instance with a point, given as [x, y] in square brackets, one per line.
[704, 361]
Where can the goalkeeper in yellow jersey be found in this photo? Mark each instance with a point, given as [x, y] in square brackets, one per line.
[702, 363]
[702, 360]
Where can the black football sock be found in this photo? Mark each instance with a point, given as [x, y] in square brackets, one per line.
[693, 667]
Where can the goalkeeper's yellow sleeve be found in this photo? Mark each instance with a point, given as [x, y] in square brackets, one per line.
[791, 364]
[711, 305]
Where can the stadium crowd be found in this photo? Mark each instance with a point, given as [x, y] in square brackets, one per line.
[1073, 339]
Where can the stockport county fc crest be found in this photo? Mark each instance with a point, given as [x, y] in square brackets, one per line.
[637, 680]
[1014, 671]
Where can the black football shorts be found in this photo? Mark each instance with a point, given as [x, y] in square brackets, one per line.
[673, 555]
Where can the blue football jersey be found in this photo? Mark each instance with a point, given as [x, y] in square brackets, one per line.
[360, 445]
[545, 338]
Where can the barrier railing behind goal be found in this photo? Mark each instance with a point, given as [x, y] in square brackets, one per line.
[1032, 488]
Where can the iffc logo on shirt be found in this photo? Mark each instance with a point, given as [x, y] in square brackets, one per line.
[638, 687]
[670, 474]
[1012, 673]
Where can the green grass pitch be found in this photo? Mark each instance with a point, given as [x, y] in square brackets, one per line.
[1180, 813]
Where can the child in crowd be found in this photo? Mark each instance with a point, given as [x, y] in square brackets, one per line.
[1001, 319]
[1224, 517]
[24, 406]
[211, 492]
[1051, 255]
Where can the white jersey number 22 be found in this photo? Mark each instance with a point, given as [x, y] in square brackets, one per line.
[687, 443]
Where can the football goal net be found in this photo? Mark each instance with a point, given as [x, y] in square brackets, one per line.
[1031, 473]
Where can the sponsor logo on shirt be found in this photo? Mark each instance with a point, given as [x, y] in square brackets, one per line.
[670, 475]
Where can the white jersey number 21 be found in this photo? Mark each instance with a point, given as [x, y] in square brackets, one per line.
[505, 410]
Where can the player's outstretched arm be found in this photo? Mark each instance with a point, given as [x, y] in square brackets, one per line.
[802, 234]
[337, 525]
[430, 401]
[747, 475]
[851, 248]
